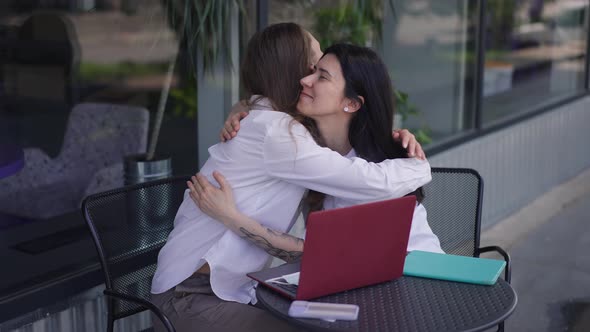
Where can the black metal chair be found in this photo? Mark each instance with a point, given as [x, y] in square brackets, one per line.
[453, 201]
[129, 226]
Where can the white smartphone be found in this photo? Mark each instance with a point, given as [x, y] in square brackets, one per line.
[326, 311]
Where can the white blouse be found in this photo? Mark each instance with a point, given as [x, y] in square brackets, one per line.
[421, 235]
[269, 165]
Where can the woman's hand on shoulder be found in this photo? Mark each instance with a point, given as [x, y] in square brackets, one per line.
[232, 123]
[217, 203]
[410, 143]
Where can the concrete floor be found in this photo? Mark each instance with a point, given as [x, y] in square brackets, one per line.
[548, 241]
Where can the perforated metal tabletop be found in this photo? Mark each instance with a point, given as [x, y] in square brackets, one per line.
[410, 304]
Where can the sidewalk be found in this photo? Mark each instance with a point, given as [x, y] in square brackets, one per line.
[548, 242]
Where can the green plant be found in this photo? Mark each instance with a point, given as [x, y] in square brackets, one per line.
[343, 24]
[199, 25]
[405, 109]
[501, 23]
[403, 106]
[184, 100]
[423, 135]
[356, 21]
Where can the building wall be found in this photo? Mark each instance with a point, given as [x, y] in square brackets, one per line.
[85, 312]
[523, 161]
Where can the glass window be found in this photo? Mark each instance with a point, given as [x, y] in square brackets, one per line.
[112, 56]
[535, 53]
[424, 44]
[430, 49]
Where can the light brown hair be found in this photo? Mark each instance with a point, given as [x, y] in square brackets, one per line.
[276, 59]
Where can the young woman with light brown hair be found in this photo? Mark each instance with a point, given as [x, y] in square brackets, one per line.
[200, 280]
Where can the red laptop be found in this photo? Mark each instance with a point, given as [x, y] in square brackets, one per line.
[347, 248]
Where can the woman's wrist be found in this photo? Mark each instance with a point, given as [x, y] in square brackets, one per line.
[233, 219]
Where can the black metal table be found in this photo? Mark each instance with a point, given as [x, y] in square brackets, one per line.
[410, 304]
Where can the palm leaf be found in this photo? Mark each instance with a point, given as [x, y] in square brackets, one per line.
[203, 25]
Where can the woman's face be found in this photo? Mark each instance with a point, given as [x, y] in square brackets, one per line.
[322, 93]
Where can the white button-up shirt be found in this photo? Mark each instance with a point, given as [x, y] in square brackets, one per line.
[421, 235]
[269, 165]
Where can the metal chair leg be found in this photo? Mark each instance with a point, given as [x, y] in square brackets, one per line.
[110, 323]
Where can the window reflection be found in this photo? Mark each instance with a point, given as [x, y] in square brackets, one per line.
[75, 78]
[423, 45]
[430, 47]
[535, 52]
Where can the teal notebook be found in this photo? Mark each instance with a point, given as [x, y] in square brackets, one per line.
[473, 270]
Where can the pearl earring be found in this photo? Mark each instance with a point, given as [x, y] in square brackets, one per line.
[346, 109]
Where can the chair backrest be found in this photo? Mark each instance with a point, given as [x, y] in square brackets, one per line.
[99, 135]
[129, 226]
[453, 202]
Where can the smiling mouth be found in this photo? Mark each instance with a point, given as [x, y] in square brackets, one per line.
[303, 94]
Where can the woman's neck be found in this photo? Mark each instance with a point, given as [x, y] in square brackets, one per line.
[333, 134]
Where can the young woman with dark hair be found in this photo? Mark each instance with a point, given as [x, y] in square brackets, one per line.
[349, 98]
[200, 280]
[367, 82]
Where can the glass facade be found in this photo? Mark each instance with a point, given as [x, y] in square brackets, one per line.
[426, 51]
[535, 52]
[80, 85]
[60, 54]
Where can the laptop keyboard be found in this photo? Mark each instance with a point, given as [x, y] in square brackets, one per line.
[287, 287]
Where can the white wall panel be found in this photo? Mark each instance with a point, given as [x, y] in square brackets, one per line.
[523, 161]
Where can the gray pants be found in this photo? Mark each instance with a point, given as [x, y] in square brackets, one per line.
[192, 306]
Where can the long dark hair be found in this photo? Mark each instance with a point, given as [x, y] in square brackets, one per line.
[370, 130]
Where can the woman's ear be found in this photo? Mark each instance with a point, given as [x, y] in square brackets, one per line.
[354, 105]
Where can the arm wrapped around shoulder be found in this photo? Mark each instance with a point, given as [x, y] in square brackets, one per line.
[292, 155]
[397, 177]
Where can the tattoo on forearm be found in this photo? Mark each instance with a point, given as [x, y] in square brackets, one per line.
[264, 243]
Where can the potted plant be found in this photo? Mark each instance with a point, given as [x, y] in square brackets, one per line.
[199, 25]
[147, 167]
